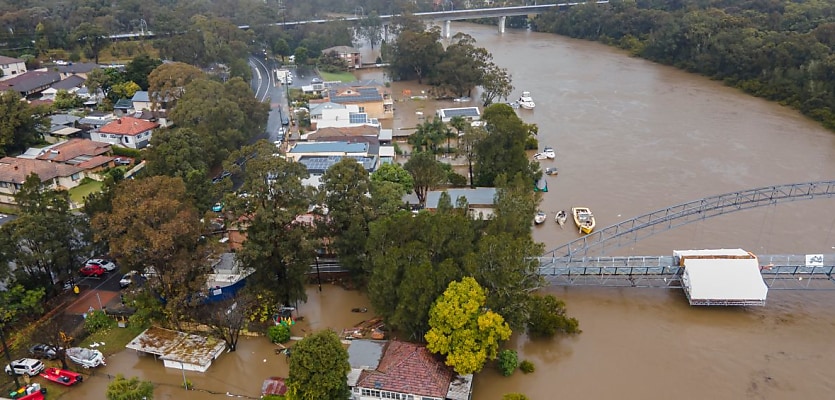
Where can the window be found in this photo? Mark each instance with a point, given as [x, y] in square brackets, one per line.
[362, 109]
[4, 184]
[75, 176]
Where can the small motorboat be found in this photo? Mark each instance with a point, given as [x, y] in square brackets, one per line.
[561, 217]
[62, 376]
[541, 185]
[583, 218]
[540, 156]
[87, 358]
[549, 152]
[540, 217]
[526, 101]
[551, 171]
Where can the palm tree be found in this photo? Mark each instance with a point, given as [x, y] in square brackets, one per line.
[459, 123]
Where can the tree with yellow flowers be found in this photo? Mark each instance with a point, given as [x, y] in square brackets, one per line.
[463, 329]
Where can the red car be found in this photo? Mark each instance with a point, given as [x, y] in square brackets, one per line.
[92, 270]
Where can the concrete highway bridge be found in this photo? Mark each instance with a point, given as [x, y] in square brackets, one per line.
[446, 17]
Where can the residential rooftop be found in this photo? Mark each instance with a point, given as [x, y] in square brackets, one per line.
[329, 147]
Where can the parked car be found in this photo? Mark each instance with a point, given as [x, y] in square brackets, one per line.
[127, 279]
[220, 177]
[92, 270]
[27, 366]
[42, 350]
[107, 265]
[218, 207]
[87, 358]
[122, 161]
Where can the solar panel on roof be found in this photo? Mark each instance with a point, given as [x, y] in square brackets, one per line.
[357, 118]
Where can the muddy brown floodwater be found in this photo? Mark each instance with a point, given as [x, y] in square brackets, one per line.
[631, 137]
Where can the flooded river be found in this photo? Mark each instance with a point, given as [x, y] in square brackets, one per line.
[631, 137]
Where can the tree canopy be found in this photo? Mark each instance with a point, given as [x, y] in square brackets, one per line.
[463, 330]
[122, 388]
[318, 366]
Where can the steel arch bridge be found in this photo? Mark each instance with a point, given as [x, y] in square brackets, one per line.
[632, 230]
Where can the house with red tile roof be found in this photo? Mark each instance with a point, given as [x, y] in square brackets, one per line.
[402, 371]
[126, 132]
[14, 171]
[87, 154]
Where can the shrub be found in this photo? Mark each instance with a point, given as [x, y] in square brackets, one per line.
[527, 367]
[508, 361]
[126, 152]
[98, 321]
[278, 333]
[514, 396]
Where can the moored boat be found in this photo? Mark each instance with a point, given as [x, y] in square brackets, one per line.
[541, 185]
[549, 152]
[561, 217]
[551, 171]
[540, 217]
[62, 376]
[583, 218]
[526, 101]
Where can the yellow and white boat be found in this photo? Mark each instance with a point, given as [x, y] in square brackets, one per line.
[583, 218]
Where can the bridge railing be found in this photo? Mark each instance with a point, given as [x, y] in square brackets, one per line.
[632, 230]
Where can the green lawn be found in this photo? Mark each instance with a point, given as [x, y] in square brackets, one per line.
[114, 339]
[78, 193]
[339, 76]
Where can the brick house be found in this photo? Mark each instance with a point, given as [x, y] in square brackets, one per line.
[14, 171]
[347, 53]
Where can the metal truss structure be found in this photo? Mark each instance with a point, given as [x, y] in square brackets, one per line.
[632, 230]
[778, 271]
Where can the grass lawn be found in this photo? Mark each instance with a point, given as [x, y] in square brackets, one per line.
[339, 76]
[114, 339]
[78, 193]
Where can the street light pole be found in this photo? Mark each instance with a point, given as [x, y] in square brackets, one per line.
[318, 274]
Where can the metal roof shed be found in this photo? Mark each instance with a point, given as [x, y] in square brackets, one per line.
[724, 282]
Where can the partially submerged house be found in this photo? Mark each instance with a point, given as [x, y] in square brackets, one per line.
[178, 350]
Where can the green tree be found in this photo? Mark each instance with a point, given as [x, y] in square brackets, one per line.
[318, 366]
[129, 389]
[467, 146]
[124, 90]
[426, 172]
[93, 39]
[345, 188]
[395, 173]
[227, 318]
[461, 67]
[103, 79]
[139, 68]
[179, 153]
[502, 150]
[65, 100]
[47, 241]
[301, 55]
[279, 249]
[496, 83]
[371, 28]
[153, 227]
[167, 83]
[21, 125]
[463, 330]
[548, 316]
[415, 53]
[16, 301]
[508, 362]
[514, 396]
[280, 47]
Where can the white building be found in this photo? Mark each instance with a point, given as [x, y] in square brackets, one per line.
[126, 132]
[11, 67]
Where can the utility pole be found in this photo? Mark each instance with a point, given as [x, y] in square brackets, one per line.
[318, 274]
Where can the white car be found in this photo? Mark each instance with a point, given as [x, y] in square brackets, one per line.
[127, 279]
[27, 366]
[107, 265]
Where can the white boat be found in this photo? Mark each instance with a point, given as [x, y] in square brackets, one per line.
[540, 156]
[561, 217]
[551, 171]
[87, 358]
[540, 217]
[549, 152]
[526, 101]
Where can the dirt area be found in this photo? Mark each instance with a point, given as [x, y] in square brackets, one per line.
[93, 299]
